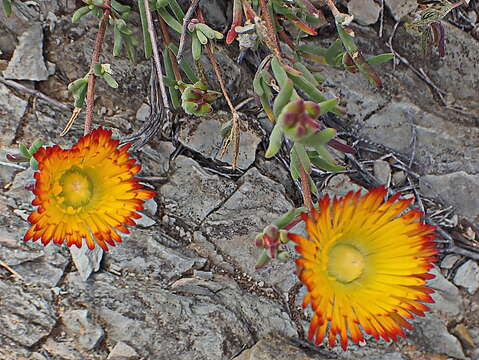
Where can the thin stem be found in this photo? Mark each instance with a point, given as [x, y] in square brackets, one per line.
[332, 7]
[269, 26]
[90, 94]
[166, 36]
[35, 93]
[156, 55]
[235, 130]
[306, 190]
[186, 20]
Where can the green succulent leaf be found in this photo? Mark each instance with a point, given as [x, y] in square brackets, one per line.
[322, 164]
[37, 144]
[117, 41]
[195, 46]
[144, 30]
[110, 81]
[209, 32]
[302, 156]
[201, 37]
[275, 141]
[34, 163]
[283, 97]
[379, 59]
[177, 10]
[170, 20]
[320, 138]
[98, 69]
[77, 15]
[174, 93]
[119, 7]
[25, 152]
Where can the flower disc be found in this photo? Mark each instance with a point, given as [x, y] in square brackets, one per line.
[365, 266]
[87, 192]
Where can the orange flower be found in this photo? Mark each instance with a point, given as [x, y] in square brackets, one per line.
[365, 266]
[87, 192]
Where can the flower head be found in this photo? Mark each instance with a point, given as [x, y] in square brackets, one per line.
[87, 192]
[299, 119]
[365, 266]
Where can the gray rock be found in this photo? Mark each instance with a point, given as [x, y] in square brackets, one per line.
[439, 146]
[339, 185]
[400, 8]
[8, 169]
[215, 13]
[365, 12]
[463, 184]
[370, 353]
[194, 199]
[382, 172]
[449, 261]
[25, 316]
[203, 134]
[181, 323]
[145, 221]
[233, 227]
[12, 109]
[431, 335]
[18, 189]
[157, 160]
[447, 297]
[27, 62]
[122, 351]
[151, 206]
[144, 253]
[86, 261]
[64, 350]
[143, 112]
[80, 325]
[277, 348]
[467, 276]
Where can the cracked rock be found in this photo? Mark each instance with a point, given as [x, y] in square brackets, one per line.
[12, 109]
[25, 317]
[27, 62]
[400, 8]
[80, 326]
[463, 184]
[446, 298]
[122, 351]
[86, 261]
[194, 199]
[432, 336]
[233, 227]
[143, 253]
[467, 276]
[365, 12]
[204, 136]
[179, 323]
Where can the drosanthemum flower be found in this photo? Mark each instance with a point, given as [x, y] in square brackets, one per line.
[87, 192]
[365, 266]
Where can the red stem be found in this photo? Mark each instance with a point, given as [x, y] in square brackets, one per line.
[90, 95]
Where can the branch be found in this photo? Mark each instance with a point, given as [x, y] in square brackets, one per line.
[90, 97]
[186, 20]
[36, 93]
[156, 56]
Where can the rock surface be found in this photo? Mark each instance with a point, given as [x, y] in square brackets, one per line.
[467, 276]
[365, 12]
[27, 62]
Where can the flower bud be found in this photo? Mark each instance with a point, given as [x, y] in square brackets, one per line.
[299, 119]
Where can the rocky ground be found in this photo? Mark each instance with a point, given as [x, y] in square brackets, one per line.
[183, 284]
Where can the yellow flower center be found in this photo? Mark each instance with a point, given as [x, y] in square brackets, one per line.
[76, 188]
[346, 263]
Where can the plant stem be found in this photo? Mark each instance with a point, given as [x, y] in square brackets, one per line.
[189, 14]
[306, 190]
[332, 7]
[90, 95]
[235, 130]
[156, 55]
[269, 27]
[166, 36]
